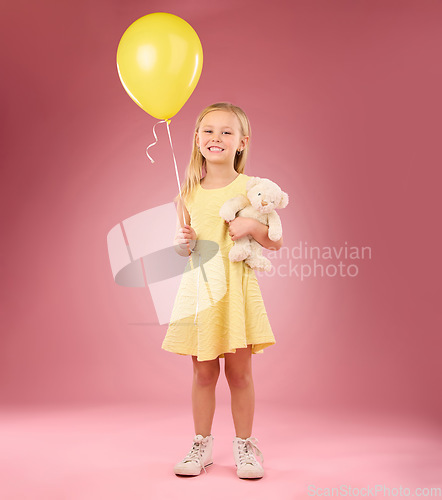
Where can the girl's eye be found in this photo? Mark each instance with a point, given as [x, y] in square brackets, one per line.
[226, 132]
[207, 131]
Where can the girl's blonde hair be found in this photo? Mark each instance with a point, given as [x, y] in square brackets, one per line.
[194, 170]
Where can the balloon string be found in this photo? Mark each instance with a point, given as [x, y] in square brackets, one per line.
[197, 289]
[200, 265]
[156, 139]
[174, 159]
[176, 169]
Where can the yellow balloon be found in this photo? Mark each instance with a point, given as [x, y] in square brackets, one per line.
[159, 62]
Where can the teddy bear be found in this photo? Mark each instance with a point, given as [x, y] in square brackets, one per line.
[263, 197]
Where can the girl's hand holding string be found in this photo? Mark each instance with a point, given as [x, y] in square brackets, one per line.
[186, 238]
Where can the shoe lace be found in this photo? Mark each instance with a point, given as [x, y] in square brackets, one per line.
[195, 454]
[246, 452]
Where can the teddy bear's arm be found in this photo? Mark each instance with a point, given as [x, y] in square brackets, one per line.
[231, 207]
[240, 202]
[275, 226]
[261, 235]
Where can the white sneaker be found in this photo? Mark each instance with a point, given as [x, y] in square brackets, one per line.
[199, 457]
[246, 464]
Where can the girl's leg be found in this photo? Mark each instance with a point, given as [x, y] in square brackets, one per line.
[205, 377]
[238, 368]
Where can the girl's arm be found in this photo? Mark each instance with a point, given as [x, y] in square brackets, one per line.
[260, 232]
[242, 226]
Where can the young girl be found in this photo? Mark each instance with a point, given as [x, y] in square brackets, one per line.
[218, 311]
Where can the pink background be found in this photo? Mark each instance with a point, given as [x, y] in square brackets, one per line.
[345, 104]
[344, 101]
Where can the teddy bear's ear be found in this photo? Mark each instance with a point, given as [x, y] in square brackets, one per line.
[253, 181]
[284, 200]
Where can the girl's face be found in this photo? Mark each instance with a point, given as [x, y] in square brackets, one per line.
[219, 137]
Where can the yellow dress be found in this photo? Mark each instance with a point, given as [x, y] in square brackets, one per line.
[219, 306]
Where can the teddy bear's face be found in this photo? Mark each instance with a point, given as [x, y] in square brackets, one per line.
[265, 196]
